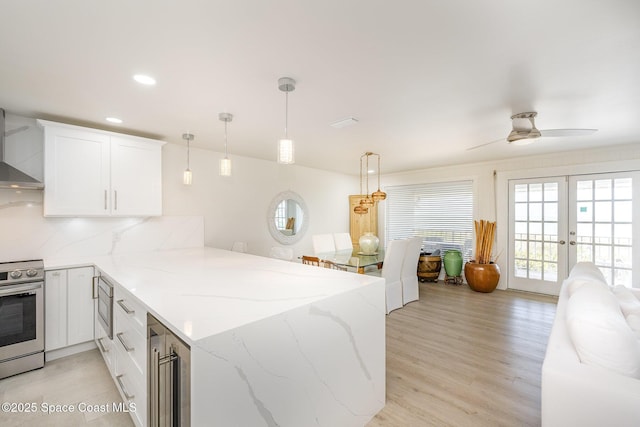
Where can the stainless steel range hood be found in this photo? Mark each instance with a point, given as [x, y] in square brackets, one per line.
[11, 177]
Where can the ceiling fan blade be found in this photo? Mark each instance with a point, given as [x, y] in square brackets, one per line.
[485, 144]
[566, 132]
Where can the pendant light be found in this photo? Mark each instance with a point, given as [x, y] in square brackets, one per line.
[369, 200]
[225, 163]
[187, 176]
[285, 145]
[360, 209]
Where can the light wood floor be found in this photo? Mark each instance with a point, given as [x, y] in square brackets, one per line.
[461, 358]
[454, 358]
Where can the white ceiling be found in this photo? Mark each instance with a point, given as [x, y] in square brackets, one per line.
[425, 79]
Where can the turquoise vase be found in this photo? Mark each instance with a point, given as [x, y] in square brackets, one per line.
[453, 263]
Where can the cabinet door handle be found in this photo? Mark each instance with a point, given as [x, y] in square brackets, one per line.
[124, 390]
[125, 308]
[102, 347]
[93, 287]
[126, 347]
[115, 204]
[105, 200]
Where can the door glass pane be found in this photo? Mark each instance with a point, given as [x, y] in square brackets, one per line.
[622, 189]
[584, 190]
[603, 211]
[536, 231]
[520, 193]
[605, 237]
[584, 212]
[603, 189]
[622, 211]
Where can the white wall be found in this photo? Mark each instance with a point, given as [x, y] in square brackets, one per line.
[235, 208]
[491, 192]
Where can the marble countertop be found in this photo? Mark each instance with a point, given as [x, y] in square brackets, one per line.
[200, 292]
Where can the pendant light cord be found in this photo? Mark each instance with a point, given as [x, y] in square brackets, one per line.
[286, 115]
[188, 158]
[225, 140]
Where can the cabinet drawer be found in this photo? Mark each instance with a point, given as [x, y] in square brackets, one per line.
[128, 339]
[131, 310]
[132, 386]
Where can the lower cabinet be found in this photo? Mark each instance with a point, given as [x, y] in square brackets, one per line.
[68, 307]
[130, 341]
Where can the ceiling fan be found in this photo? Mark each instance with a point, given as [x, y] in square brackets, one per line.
[524, 131]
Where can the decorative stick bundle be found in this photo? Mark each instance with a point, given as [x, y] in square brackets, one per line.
[485, 231]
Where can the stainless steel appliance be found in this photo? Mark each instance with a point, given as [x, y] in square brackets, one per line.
[169, 370]
[21, 317]
[105, 305]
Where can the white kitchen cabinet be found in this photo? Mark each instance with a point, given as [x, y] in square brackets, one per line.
[68, 307]
[130, 342]
[89, 172]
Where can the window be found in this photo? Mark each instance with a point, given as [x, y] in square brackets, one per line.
[442, 213]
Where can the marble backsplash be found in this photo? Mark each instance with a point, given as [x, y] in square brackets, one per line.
[26, 234]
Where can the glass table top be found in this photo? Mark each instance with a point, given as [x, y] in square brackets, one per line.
[353, 258]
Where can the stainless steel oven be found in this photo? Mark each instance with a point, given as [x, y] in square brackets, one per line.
[105, 305]
[21, 317]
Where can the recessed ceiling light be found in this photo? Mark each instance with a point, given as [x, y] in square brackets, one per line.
[114, 120]
[145, 80]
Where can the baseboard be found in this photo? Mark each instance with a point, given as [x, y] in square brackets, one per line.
[68, 351]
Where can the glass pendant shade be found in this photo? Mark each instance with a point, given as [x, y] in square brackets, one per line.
[225, 167]
[187, 177]
[367, 202]
[285, 152]
[225, 163]
[378, 196]
[285, 145]
[360, 210]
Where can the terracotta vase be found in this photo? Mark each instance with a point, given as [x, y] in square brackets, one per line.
[482, 277]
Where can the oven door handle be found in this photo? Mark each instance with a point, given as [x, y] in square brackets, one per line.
[15, 290]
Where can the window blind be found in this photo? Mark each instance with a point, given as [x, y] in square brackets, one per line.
[442, 213]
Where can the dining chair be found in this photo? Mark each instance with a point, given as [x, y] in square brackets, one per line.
[391, 271]
[323, 243]
[342, 242]
[311, 260]
[281, 253]
[332, 265]
[409, 275]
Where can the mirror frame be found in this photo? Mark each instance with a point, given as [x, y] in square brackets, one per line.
[271, 218]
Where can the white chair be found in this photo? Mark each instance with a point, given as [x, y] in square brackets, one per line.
[391, 271]
[239, 247]
[342, 242]
[323, 243]
[409, 275]
[281, 253]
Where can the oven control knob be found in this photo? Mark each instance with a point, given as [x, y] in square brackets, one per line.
[31, 272]
[16, 274]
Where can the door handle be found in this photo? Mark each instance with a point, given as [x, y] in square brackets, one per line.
[562, 242]
[572, 242]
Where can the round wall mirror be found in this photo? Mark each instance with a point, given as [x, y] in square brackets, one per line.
[287, 217]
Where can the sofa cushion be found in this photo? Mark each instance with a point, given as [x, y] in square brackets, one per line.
[587, 270]
[629, 304]
[599, 331]
[633, 320]
[573, 284]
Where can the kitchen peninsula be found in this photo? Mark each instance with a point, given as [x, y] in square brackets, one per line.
[272, 342]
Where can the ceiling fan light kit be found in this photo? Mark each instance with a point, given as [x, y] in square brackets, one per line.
[524, 131]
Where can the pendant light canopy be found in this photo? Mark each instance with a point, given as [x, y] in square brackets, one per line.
[368, 200]
[225, 163]
[285, 145]
[187, 176]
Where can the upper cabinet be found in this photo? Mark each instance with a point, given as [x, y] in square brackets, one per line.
[89, 172]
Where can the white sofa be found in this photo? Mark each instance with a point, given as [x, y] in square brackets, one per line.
[591, 369]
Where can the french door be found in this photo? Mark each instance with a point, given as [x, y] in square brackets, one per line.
[555, 222]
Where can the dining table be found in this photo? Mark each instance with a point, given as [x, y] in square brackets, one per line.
[354, 258]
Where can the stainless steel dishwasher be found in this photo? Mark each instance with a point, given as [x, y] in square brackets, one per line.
[169, 365]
